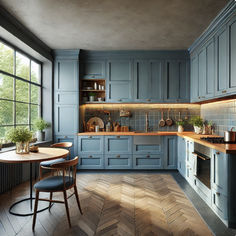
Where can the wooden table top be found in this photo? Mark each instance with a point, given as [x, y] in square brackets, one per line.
[44, 154]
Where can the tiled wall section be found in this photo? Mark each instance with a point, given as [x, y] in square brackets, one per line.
[137, 121]
[222, 114]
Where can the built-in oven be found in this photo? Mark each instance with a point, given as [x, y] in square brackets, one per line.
[202, 164]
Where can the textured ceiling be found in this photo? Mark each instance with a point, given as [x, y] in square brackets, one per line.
[115, 24]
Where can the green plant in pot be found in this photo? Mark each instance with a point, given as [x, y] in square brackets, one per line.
[197, 123]
[40, 125]
[91, 96]
[180, 124]
[21, 136]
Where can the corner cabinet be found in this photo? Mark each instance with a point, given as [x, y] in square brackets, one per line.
[120, 80]
[66, 97]
[170, 152]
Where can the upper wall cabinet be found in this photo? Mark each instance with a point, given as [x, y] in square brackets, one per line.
[66, 75]
[194, 79]
[148, 84]
[120, 81]
[92, 69]
[176, 81]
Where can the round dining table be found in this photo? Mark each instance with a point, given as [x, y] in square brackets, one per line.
[43, 154]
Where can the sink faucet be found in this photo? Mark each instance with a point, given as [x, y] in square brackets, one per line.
[146, 122]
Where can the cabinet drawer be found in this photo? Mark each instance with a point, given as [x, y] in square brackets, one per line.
[147, 145]
[91, 162]
[203, 191]
[118, 161]
[219, 204]
[147, 162]
[182, 168]
[118, 145]
[91, 145]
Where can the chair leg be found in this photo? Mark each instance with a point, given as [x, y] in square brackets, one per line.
[50, 203]
[67, 208]
[35, 208]
[40, 172]
[77, 199]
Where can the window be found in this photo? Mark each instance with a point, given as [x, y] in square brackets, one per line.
[20, 89]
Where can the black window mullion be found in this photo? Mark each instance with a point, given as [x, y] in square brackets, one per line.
[29, 106]
[14, 91]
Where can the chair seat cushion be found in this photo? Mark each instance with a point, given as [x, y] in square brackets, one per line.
[49, 163]
[54, 183]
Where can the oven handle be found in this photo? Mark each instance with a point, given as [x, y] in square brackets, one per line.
[203, 158]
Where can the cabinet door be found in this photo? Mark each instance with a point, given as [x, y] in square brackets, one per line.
[66, 98]
[181, 165]
[220, 204]
[147, 162]
[120, 81]
[177, 81]
[202, 73]
[232, 55]
[221, 62]
[194, 79]
[92, 69]
[72, 139]
[91, 161]
[66, 75]
[170, 156]
[219, 170]
[142, 83]
[91, 145]
[118, 145]
[117, 161]
[66, 119]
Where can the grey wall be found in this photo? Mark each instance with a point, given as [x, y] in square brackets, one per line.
[223, 115]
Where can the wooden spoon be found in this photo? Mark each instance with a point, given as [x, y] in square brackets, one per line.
[162, 122]
[169, 121]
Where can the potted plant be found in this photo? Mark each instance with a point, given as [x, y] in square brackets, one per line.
[40, 125]
[197, 123]
[21, 136]
[91, 96]
[180, 124]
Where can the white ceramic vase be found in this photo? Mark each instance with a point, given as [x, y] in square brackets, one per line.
[197, 130]
[180, 129]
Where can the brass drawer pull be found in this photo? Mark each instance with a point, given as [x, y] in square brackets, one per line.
[119, 100]
[90, 156]
[218, 194]
[117, 136]
[217, 153]
[89, 136]
[148, 156]
[118, 156]
[148, 100]
[224, 91]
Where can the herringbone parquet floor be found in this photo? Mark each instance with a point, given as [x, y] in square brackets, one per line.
[113, 204]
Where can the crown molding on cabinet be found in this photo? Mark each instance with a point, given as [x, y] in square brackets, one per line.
[67, 54]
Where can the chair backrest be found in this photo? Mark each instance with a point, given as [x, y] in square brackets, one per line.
[63, 145]
[68, 168]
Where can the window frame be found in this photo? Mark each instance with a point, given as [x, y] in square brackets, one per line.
[30, 83]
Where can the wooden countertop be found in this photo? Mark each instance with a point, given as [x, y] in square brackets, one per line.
[226, 148]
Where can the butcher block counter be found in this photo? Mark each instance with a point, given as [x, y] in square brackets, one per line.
[226, 148]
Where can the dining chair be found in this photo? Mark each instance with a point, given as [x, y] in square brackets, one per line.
[59, 183]
[47, 164]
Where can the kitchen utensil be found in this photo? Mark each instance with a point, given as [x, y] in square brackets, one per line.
[169, 121]
[117, 127]
[97, 128]
[96, 121]
[230, 136]
[162, 122]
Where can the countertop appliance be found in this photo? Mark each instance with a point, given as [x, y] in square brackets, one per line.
[215, 140]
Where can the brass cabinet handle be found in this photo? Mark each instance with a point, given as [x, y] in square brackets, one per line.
[65, 137]
[119, 100]
[148, 156]
[89, 136]
[148, 100]
[217, 193]
[199, 97]
[90, 156]
[217, 153]
[118, 156]
[224, 91]
[117, 136]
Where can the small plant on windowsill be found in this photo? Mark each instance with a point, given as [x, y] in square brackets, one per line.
[21, 136]
[40, 125]
[180, 124]
[197, 123]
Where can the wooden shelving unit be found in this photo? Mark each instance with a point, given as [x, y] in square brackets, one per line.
[98, 93]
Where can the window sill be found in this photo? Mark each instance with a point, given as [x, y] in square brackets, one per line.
[7, 149]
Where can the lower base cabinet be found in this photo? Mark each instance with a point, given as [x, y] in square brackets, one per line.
[147, 161]
[220, 204]
[118, 161]
[91, 162]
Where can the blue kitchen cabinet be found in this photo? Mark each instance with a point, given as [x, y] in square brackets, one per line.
[181, 164]
[219, 172]
[219, 204]
[232, 55]
[92, 69]
[202, 72]
[91, 161]
[66, 119]
[222, 72]
[66, 98]
[176, 85]
[118, 144]
[147, 161]
[66, 75]
[194, 79]
[148, 80]
[69, 138]
[170, 152]
[90, 145]
[147, 144]
[117, 161]
[120, 80]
